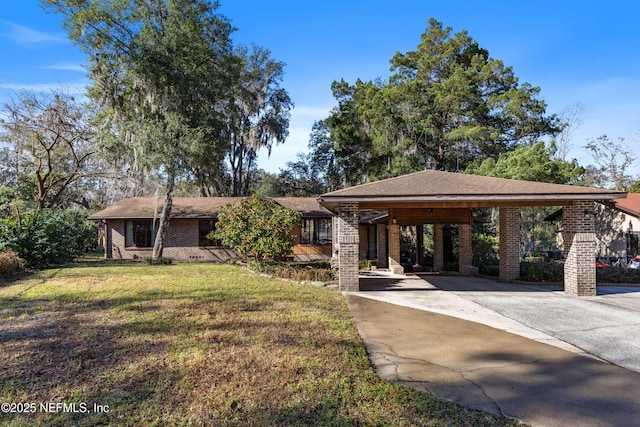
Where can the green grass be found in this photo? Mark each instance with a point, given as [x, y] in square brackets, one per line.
[195, 344]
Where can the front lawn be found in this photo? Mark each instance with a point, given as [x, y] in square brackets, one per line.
[193, 344]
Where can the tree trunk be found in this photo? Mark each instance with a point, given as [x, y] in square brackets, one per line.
[161, 234]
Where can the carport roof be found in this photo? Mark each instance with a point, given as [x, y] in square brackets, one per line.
[437, 188]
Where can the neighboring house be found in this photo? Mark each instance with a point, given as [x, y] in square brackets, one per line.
[617, 227]
[129, 226]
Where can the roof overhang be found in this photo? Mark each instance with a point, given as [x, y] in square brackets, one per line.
[463, 201]
[436, 189]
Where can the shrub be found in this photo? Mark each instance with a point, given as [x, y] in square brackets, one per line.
[542, 271]
[161, 260]
[44, 236]
[485, 254]
[617, 275]
[257, 227]
[367, 264]
[10, 263]
[319, 271]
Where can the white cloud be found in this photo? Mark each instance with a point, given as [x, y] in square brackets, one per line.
[28, 36]
[66, 67]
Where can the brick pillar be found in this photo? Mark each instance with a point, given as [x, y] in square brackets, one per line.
[381, 230]
[580, 246]
[509, 250]
[420, 244]
[394, 249]
[465, 254]
[108, 241]
[372, 242]
[335, 243]
[438, 247]
[348, 247]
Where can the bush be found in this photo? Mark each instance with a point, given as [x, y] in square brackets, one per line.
[617, 275]
[367, 264]
[542, 271]
[485, 254]
[44, 236]
[10, 263]
[319, 271]
[161, 260]
[257, 227]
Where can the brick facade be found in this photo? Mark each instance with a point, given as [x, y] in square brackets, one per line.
[578, 222]
[394, 249]
[509, 252]
[465, 253]
[438, 247]
[182, 244]
[383, 259]
[348, 239]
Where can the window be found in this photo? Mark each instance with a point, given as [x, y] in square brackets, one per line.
[208, 226]
[315, 231]
[139, 234]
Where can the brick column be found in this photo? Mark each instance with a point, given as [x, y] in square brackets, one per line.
[348, 247]
[108, 241]
[335, 243]
[420, 244]
[509, 250]
[394, 249]
[465, 254]
[383, 260]
[580, 246]
[438, 247]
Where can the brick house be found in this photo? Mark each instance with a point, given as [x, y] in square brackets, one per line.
[128, 228]
[617, 228]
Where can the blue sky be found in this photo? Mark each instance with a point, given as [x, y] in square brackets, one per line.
[577, 52]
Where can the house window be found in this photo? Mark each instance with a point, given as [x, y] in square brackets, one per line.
[315, 231]
[139, 234]
[208, 226]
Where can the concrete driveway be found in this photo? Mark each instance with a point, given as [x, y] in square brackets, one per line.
[606, 326]
[528, 352]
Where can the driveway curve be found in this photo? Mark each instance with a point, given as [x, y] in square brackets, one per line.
[527, 352]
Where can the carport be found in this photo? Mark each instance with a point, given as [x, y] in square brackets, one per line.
[436, 197]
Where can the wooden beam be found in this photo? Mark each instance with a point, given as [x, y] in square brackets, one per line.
[412, 216]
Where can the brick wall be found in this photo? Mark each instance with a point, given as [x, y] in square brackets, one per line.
[383, 259]
[181, 244]
[509, 251]
[580, 248]
[465, 257]
[348, 241]
[394, 249]
[438, 247]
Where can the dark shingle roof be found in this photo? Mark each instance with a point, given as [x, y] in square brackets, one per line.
[197, 207]
[431, 185]
[308, 206]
